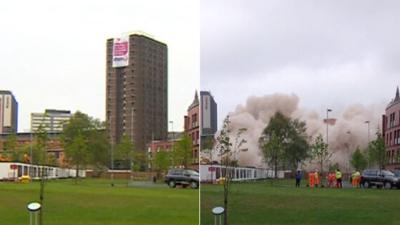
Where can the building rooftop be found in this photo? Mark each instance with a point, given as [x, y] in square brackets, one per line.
[195, 101]
[5, 92]
[396, 99]
[141, 34]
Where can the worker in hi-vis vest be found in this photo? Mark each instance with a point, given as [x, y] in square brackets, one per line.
[311, 179]
[316, 178]
[355, 179]
[338, 178]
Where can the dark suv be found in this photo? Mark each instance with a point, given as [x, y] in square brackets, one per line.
[184, 177]
[379, 178]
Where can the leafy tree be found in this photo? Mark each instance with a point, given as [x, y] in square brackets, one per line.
[161, 162]
[320, 152]
[358, 160]
[83, 142]
[272, 150]
[227, 149]
[284, 142]
[124, 150]
[98, 146]
[333, 167]
[298, 148]
[207, 144]
[377, 151]
[10, 147]
[41, 139]
[183, 152]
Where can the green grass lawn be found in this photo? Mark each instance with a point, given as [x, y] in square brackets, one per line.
[281, 203]
[95, 202]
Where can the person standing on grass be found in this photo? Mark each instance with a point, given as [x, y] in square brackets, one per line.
[298, 178]
[331, 179]
[338, 178]
[311, 177]
[316, 178]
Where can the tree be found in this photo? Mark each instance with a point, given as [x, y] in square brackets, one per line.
[377, 151]
[358, 160]
[320, 153]
[41, 139]
[183, 152]
[161, 162]
[298, 148]
[227, 150]
[83, 141]
[207, 144]
[98, 146]
[284, 142]
[124, 151]
[272, 151]
[10, 147]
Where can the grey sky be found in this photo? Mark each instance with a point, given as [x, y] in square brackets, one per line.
[329, 53]
[53, 52]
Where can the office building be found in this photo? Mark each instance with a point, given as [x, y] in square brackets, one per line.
[52, 120]
[8, 113]
[208, 114]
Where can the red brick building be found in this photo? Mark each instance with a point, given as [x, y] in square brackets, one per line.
[54, 145]
[192, 127]
[391, 132]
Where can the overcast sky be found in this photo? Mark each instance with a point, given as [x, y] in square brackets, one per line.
[329, 53]
[53, 52]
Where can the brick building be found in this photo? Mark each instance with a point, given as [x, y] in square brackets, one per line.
[137, 89]
[391, 132]
[54, 145]
[192, 127]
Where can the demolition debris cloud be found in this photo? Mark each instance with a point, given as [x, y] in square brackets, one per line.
[348, 132]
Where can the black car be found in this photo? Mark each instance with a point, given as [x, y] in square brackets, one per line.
[184, 177]
[379, 178]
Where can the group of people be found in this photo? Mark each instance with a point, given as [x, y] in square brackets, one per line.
[334, 179]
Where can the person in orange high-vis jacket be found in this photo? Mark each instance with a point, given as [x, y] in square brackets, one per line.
[316, 177]
[311, 179]
[331, 179]
[355, 179]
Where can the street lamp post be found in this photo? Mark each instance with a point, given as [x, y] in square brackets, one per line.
[31, 156]
[131, 156]
[172, 130]
[348, 153]
[327, 125]
[112, 162]
[173, 135]
[368, 122]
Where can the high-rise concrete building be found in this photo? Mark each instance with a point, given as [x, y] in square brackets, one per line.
[208, 124]
[137, 89]
[52, 120]
[8, 112]
[208, 114]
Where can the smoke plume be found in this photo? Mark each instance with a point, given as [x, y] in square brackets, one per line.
[349, 132]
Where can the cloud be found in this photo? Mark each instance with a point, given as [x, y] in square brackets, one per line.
[330, 53]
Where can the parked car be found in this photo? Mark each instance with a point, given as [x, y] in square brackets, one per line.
[379, 178]
[184, 177]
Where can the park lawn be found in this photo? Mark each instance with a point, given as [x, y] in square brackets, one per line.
[95, 202]
[281, 203]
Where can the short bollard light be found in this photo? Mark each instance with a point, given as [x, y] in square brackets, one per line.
[218, 211]
[33, 208]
